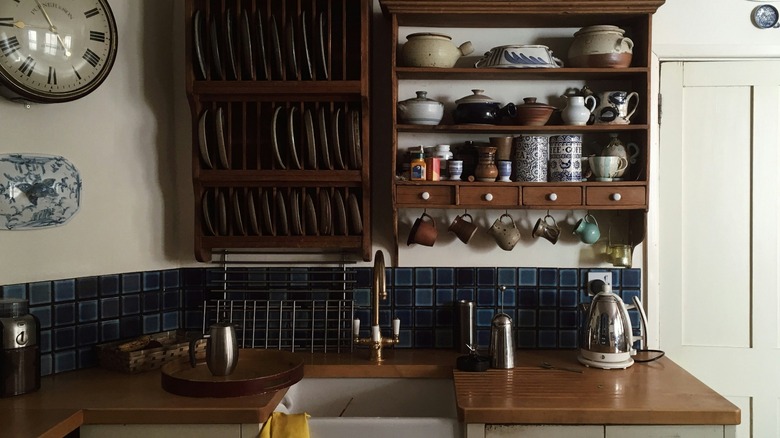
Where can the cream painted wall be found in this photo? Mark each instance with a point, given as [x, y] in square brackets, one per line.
[130, 140]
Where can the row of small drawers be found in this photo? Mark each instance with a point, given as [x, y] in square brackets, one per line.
[506, 196]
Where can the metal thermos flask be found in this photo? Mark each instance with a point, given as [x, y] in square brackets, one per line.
[465, 333]
[502, 344]
[221, 349]
[20, 361]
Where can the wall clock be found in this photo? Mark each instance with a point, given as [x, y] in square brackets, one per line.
[55, 51]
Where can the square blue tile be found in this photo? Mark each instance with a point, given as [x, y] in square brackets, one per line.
[445, 297]
[361, 296]
[64, 361]
[150, 301]
[403, 297]
[548, 298]
[193, 276]
[445, 277]
[47, 367]
[86, 357]
[131, 304]
[548, 277]
[527, 298]
[629, 294]
[486, 276]
[403, 277]
[568, 278]
[43, 313]
[483, 338]
[423, 276]
[170, 278]
[88, 311]
[423, 318]
[486, 297]
[527, 276]
[64, 314]
[423, 339]
[465, 276]
[444, 317]
[40, 293]
[405, 315]
[507, 277]
[405, 339]
[526, 318]
[151, 280]
[526, 339]
[170, 321]
[87, 334]
[131, 283]
[64, 338]
[567, 319]
[465, 294]
[632, 278]
[484, 317]
[443, 339]
[151, 323]
[130, 326]
[616, 278]
[423, 297]
[109, 285]
[15, 291]
[385, 316]
[568, 297]
[109, 308]
[507, 297]
[64, 290]
[364, 277]
[171, 300]
[44, 342]
[548, 318]
[548, 338]
[567, 339]
[87, 287]
[109, 330]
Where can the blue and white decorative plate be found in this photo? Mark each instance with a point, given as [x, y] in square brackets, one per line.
[37, 191]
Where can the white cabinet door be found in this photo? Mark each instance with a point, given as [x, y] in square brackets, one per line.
[664, 432]
[543, 431]
[718, 227]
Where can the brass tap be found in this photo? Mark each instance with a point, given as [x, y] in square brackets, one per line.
[378, 292]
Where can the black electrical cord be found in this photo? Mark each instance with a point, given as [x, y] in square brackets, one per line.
[660, 354]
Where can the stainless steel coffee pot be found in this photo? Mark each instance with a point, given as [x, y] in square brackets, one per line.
[607, 337]
[221, 349]
[502, 344]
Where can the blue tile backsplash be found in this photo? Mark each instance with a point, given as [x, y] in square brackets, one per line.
[76, 314]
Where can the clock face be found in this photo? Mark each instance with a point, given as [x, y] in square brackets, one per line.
[56, 50]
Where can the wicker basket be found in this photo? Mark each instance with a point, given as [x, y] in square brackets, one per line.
[174, 346]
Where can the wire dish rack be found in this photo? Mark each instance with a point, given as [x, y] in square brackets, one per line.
[284, 308]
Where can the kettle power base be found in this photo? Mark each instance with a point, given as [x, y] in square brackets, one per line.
[621, 365]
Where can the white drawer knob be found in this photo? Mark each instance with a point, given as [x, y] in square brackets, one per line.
[552, 197]
[615, 197]
[426, 196]
[488, 197]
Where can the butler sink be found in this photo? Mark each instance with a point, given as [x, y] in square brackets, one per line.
[375, 407]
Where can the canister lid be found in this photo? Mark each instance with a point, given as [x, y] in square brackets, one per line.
[13, 307]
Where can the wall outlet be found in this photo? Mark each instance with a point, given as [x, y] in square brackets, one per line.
[605, 276]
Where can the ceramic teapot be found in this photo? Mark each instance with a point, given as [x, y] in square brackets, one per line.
[429, 49]
[616, 148]
[481, 109]
[420, 110]
[577, 111]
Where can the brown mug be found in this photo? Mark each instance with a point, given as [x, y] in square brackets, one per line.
[423, 231]
[464, 229]
[547, 229]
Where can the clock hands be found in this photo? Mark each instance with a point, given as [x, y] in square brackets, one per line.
[53, 28]
[21, 25]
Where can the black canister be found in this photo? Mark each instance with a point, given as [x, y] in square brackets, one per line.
[465, 333]
[20, 364]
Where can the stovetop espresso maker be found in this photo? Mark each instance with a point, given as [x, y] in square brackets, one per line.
[20, 363]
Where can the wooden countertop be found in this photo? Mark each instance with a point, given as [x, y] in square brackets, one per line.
[657, 393]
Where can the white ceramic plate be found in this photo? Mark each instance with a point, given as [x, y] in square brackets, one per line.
[247, 49]
[292, 61]
[268, 222]
[197, 44]
[326, 221]
[215, 58]
[203, 144]
[207, 211]
[323, 125]
[262, 59]
[230, 45]
[221, 147]
[277, 49]
[322, 48]
[307, 71]
[293, 122]
[311, 140]
[281, 215]
[336, 140]
[254, 224]
[237, 217]
[310, 215]
[295, 212]
[222, 221]
[37, 191]
[275, 140]
[340, 222]
[354, 214]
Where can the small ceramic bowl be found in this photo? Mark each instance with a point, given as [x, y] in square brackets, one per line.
[533, 113]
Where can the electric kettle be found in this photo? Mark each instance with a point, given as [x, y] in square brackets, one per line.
[607, 337]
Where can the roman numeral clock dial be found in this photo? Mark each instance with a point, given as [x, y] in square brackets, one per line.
[55, 50]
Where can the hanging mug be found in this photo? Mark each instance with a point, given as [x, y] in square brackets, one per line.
[588, 229]
[506, 234]
[615, 108]
[547, 229]
[423, 231]
[464, 229]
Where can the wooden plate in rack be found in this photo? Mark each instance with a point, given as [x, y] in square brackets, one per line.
[295, 213]
[268, 221]
[311, 140]
[281, 215]
[340, 215]
[207, 213]
[293, 122]
[276, 47]
[203, 144]
[355, 219]
[197, 44]
[292, 60]
[326, 220]
[274, 138]
[306, 70]
[323, 131]
[336, 140]
[251, 209]
[262, 58]
[230, 44]
[222, 222]
[247, 49]
[221, 146]
[310, 215]
[237, 217]
[215, 57]
[322, 46]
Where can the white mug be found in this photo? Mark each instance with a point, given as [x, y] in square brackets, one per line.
[606, 168]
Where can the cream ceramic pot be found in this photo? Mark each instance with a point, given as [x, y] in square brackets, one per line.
[428, 49]
[601, 46]
[420, 110]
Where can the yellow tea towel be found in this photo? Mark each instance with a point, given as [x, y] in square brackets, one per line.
[281, 425]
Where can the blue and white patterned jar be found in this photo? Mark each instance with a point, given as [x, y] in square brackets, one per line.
[565, 158]
[531, 158]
